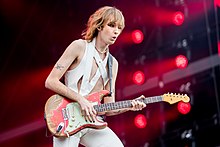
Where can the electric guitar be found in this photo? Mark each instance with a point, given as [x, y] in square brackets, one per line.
[63, 116]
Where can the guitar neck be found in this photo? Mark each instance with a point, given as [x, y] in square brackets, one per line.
[125, 104]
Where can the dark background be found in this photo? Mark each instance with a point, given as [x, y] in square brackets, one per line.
[34, 34]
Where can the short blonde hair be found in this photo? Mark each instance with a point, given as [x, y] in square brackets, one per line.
[100, 18]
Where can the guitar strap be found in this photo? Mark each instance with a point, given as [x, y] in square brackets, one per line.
[110, 60]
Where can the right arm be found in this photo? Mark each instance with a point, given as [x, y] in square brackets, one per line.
[70, 57]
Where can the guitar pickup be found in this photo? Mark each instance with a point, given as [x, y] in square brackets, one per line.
[65, 113]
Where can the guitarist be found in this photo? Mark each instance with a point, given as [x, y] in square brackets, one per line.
[84, 67]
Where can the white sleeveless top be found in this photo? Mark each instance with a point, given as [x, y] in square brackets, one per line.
[83, 70]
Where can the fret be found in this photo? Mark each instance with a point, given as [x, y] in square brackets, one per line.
[108, 106]
[124, 104]
[156, 98]
[120, 105]
[129, 104]
[152, 99]
[97, 108]
[117, 105]
[160, 98]
[104, 107]
[148, 100]
[112, 106]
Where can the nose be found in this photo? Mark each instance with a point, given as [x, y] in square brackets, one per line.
[116, 31]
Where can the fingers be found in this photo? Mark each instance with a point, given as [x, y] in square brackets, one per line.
[137, 104]
[87, 110]
[89, 114]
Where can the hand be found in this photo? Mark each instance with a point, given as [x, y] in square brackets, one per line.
[137, 104]
[87, 109]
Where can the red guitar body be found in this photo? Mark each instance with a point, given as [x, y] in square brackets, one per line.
[64, 118]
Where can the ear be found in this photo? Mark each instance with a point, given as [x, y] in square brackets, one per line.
[99, 28]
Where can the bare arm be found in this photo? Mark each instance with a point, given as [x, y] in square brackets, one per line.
[53, 80]
[70, 58]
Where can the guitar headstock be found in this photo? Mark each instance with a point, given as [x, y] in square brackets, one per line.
[173, 98]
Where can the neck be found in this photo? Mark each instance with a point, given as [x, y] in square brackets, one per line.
[101, 51]
[101, 46]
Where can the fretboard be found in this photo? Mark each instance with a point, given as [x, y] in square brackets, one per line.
[125, 104]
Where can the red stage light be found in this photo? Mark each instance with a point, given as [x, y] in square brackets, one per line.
[138, 77]
[137, 36]
[140, 121]
[178, 18]
[183, 108]
[217, 3]
[181, 61]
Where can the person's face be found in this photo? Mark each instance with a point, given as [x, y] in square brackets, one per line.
[110, 32]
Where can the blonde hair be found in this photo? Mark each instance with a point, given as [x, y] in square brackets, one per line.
[100, 18]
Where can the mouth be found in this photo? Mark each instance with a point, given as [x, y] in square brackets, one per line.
[114, 38]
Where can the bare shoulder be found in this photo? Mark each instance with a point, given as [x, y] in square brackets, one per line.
[77, 46]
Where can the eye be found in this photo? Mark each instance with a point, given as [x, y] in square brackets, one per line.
[120, 27]
[111, 24]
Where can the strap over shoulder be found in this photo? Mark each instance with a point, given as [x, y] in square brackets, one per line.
[110, 63]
